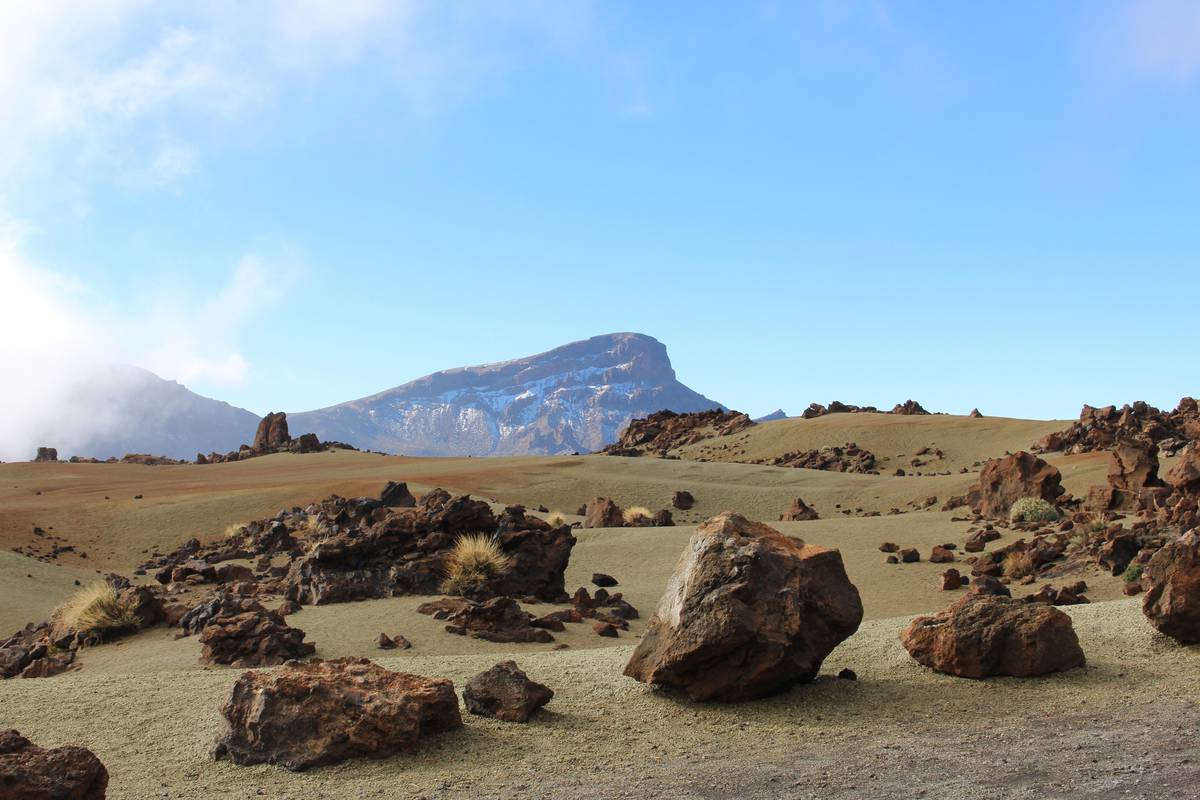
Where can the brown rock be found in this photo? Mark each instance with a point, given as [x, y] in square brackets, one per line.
[683, 500]
[798, 512]
[1003, 481]
[607, 629]
[29, 772]
[889, 547]
[909, 555]
[272, 433]
[951, 579]
[980, 636]
[497, 620]
[397, 495]
[747, 613]
[322, 712]
[46, 454]
[506, 693]
[975, 414]
[603, 512]
[1172, 581]
[253, 639]
[941, 555]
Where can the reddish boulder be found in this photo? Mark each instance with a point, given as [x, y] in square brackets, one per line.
[1133, 466]
[941, 555]
[909, 555]
[799, 511]
[272, 433]
[981, 635]
[951, 580]
[498, 620]
[253, 639]
[1004, 481]
[603, 512]
[748, 612]
[909, 408]
[683, 500]
[506, 693]
[1185, 474]
[29, 772]
[1172, 581]
[322, 712]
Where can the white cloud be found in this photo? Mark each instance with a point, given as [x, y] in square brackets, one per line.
[55, 331]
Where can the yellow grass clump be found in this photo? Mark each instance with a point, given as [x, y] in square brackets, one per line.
[634, 514]
[1018, 564]
[236, 529]
[474, 560]
[95, 612]
[557, 518]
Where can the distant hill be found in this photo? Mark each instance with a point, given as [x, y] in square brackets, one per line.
[573, 398]
[116, 410]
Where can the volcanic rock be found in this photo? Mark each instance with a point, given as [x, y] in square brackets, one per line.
[506, 693]
[1172, 581]
[664, 431]
[253, 639]
[683, 500]
[799, 512]
[747, 613]
[322, 712]
[497, 620]
[951, 579]
[29, 772]
[603, 512]
[46, 454]
[980, 636]
[1004, 481]
[397, 495]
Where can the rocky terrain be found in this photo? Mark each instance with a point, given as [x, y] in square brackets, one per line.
[574, 398]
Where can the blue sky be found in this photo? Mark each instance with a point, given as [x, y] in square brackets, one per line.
[289, 205]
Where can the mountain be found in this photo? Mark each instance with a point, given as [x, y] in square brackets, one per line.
[573, 398]
[114, 410]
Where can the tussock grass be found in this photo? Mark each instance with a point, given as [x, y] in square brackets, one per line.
[1018, 564]
[475, 560]
[635, 514]
[234, 530]
[95, 613]
[556, 518]
[1033, 509]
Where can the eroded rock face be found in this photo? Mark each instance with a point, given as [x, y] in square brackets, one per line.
[29, 772]
[253, 639]
[323, 712]
[603, 512]
[799, 511]
[272, 433]
[983, 635]
[506, 693]
[1004, 481]
[664, 431]
[397, 495]
[1101, 428]
[1172, 580]
[747, 613]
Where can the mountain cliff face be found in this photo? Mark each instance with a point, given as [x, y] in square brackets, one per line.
[116, 410]
[574, 398]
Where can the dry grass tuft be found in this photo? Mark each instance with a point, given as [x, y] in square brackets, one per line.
[1033, 509]
[556, 518]
[475, 560]
[635, 514]
[1018, 564]
[95, 613]
[234, 530]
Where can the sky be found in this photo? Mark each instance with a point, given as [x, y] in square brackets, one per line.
[293, 203]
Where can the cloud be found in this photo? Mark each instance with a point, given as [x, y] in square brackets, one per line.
[56, 334]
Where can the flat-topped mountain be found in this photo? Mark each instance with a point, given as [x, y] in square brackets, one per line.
[573, 398]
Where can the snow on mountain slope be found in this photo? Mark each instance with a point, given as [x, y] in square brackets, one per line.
[574, 398]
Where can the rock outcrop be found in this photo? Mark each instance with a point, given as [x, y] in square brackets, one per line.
[1172, 581]
[848, 458]
[252, 639]
[46, 454]
[603, 512]
[506, 693]
[497, 620]
[664, 431]
[748, 612]
[799, 511]
[29, 772]
[907, 408]
[983, 635]
[1102, 428]
[1004, 481]
[323, 712]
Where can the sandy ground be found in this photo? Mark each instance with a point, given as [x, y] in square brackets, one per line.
[1123, 726]
[1119, 728]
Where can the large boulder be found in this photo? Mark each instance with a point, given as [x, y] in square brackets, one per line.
[272, 433]
[29, 772]
[1133, 466]
[747, 613]
[1004, 481]
[1172, 580]
[322, 712]
[253, 639]
[397, 495]
[603, 512]
[46, 454]
[1185, 474]
[506, 693]
[983, 635]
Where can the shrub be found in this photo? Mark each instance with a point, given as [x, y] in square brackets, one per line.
[234, 530]
[1033, 509]
[1079, 541]
[556, 518]
[475, 560]
[1132, 573]
[1018, 564]
[635, 514]
[95, 613]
